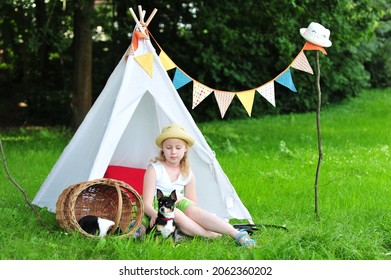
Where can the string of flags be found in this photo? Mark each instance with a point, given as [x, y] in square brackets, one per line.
[224, 98]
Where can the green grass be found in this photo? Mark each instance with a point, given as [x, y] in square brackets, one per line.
[271, 161]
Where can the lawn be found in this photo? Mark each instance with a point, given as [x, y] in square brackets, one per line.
[271, 161]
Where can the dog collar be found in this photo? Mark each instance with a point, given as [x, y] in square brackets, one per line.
[167, 219]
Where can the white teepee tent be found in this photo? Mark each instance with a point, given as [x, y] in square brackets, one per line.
[121, 127]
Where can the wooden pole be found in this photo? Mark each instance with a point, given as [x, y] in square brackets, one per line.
[320, 151]
[151, 17]
[134, 15]
[140, 13]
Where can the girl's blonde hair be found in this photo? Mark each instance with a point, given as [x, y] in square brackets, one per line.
[185, 162]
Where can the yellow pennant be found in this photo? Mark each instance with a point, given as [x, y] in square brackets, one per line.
[168, 64]
[146, 62]
[247, 99]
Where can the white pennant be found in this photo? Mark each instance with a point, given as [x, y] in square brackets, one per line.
[301, 63]
[224, 99]
[200, 92]
[267, 91]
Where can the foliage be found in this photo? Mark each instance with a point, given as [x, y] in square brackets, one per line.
[270, 161]
[221, 44]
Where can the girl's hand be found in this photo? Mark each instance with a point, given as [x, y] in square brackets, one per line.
[153, 220]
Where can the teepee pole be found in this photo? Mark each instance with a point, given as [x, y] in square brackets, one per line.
[134, 15]
[141, 14]
[151, 17]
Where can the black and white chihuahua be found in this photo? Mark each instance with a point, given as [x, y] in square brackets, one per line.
[95, 225]
[165, 223]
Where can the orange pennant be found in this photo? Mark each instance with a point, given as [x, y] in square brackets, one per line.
[312, 47]
[136, 36]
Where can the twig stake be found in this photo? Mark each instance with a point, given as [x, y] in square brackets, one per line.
[19, 187]
[320, 158]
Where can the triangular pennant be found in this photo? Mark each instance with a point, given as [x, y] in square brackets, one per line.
[301, 63]
[247, 99]
[180, 79]
[285, 79]
[312, 47]
[166, 61]
[224, 99]
[267, 91]
[200, 92]
[136, 36]
[146, 62]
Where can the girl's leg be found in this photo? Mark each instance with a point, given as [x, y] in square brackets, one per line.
[212, 223]
[209, 221]
[190, 227]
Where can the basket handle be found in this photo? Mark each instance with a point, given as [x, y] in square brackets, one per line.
[119, 210]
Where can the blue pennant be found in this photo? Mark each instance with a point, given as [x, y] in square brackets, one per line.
[286, 80]
[180, 79]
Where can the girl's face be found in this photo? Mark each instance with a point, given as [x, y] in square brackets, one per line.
[174, 149]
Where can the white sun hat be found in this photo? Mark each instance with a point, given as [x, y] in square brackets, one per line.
[316, 34]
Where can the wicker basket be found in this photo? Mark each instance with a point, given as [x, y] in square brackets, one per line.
[105, 198]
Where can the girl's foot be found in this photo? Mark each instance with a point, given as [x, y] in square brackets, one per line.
[243, 238]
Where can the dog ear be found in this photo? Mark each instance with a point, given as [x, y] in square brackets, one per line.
[173, 195]
[159, 194]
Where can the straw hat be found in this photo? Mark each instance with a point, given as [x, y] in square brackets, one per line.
[174, 131]
[316, 34]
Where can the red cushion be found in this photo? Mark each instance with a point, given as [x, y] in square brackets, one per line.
[134, 177]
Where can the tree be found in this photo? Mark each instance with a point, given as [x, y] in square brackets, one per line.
[82, 68]
[223, 44]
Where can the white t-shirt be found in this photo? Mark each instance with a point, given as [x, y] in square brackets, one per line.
[163, 181]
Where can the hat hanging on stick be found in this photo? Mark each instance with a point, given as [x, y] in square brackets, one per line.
[316, 34]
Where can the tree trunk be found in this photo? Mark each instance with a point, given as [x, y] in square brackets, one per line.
[82, 69]
[40, 15]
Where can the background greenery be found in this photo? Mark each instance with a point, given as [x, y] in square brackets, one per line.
[223, 44]
[271, 161]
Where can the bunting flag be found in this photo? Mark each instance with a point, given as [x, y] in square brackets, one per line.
[146, 62]
[180, 79]
[312, 47]
[224, 99]
[285, 79]
[247, 99]
[134, 45]
[168, 64]
[200, 92]
[301, 63]
[267, 91]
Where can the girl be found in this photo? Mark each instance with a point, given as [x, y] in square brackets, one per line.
[171, 171]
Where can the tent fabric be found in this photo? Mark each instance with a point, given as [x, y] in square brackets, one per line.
[120, 129]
